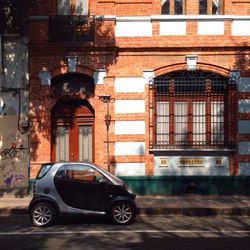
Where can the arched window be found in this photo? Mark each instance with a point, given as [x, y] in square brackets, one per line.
[192, 110]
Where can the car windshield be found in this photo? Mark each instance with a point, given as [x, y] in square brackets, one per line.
[44, 170]
[119, 181]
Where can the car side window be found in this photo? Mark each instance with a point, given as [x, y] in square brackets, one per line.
[84, 173]
[61, 173]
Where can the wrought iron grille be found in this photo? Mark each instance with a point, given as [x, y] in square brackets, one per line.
[71, 28]
[192, 110]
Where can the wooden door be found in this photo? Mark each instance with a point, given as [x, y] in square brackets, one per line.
[72, 131]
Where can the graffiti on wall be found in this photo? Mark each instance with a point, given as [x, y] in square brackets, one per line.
[13, 152]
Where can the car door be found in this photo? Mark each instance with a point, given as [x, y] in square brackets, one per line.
[79, 186]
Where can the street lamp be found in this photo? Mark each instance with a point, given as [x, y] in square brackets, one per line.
[105, 98]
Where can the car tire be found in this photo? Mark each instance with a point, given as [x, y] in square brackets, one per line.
[122, 213]
[43, 215]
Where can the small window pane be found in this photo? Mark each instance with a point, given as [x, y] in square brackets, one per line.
[162, 130]
[64, 7]
[165, 7]
[216, 7]
[180, 120]
[83, 173]
[62, 144]
[178, 7]
[203, 7]
[217, 122]
[81, 7]
[85, 143]
[199, 122]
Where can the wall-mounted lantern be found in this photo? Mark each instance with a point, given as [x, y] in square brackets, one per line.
[191, 62]
[105, 98]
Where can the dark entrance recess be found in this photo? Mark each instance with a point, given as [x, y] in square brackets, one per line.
[72, 119]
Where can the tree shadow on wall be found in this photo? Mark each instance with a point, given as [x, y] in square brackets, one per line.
[98, 54]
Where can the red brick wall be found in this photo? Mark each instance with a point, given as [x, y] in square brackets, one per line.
[124, 57]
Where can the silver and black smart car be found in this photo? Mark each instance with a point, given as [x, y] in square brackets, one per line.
[80, 188]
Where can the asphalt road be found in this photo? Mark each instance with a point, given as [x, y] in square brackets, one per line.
[148, 232]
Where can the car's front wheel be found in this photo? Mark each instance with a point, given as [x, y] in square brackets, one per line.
[122, 213]
[43, 214]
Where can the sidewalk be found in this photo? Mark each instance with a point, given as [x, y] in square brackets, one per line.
[192, 205]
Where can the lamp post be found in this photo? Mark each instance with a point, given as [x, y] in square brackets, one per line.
[105, 98]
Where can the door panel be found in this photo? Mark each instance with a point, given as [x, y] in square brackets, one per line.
[79, 187]
[72, 131]
[85, 143]
[62, 143]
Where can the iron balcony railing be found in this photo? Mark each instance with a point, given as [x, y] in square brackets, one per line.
[192, 110]
[71, 28]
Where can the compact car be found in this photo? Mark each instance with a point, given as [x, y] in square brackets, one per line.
[80, 188]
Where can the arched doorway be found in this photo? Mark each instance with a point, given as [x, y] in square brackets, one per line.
[72, 131]
[72, 119]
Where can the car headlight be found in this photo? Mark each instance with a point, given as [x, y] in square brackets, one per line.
[130, 190]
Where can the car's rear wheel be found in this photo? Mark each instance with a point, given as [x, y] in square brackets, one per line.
[122, 213]
[43, 214]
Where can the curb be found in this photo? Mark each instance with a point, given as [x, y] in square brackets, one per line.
[194, 211]
[188, 211]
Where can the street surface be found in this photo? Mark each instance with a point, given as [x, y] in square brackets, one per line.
[148, 232]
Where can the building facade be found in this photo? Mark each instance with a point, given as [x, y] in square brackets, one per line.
[142, 88]
[14, 121]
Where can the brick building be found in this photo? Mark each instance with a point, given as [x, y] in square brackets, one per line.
[142, 88]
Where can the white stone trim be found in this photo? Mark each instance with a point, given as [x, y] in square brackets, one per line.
[244, 168]
[129, 106]
[129, 148]
[244, 105]
[99, 76]
[209, 166]
[133, 28]
[244, 126]
[129, 84]
[173, 28]
[244, 84]
[157, 17]
[240, 28]
[45, 77]
[129, 127]
[130, 169]
[206, 27]
[244, 147]
[148, 74]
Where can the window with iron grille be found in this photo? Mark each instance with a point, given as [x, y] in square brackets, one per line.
[192, 109]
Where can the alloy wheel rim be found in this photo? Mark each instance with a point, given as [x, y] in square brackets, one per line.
[42, 215]
[122, 213]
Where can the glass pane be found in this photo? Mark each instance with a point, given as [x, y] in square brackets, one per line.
[217, 122]
[178, 7]
[165, 7]
[180, 123]
[64, 7]
[83, 173]
[81, 7]
[85, 143]
[162, 129]
[199, 122]
[216, 7]
[203, 7]
[62, 144]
